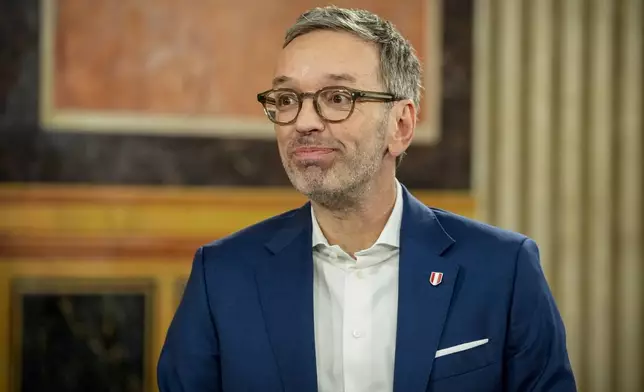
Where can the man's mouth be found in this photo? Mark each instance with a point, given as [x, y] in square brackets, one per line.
[312, 152]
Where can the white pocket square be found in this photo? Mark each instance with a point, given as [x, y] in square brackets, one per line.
[460, 347]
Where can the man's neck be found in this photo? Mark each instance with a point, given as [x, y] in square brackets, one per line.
[358, 228]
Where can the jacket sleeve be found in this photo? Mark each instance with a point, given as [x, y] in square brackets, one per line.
[536, 358]
[189, 358]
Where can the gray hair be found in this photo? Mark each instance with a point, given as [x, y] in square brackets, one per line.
[400, 69]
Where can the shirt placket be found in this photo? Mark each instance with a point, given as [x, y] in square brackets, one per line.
[357, 331]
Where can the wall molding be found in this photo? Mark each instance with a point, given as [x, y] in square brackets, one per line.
[88, 222]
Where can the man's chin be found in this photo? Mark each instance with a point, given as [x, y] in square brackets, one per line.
[308, 188]
[309, 185]
[312, 175]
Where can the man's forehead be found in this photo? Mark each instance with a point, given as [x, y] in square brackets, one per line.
[323, 57]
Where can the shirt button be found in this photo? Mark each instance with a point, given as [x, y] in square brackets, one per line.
[360, 274]
[357, 334]
[333, 255]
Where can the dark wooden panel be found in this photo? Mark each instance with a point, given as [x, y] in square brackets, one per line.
[80, 335]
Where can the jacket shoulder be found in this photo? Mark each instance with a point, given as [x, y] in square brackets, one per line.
[253, 237]
[471, 232]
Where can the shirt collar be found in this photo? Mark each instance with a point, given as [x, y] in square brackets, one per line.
[390, 234]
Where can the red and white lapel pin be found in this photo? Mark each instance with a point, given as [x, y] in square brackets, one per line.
[436, 278]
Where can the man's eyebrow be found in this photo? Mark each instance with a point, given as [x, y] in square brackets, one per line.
[280, 80]
[343, 77]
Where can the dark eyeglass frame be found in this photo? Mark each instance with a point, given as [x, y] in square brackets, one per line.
[356, 95]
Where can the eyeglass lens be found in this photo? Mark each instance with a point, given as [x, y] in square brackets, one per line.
[332, 104]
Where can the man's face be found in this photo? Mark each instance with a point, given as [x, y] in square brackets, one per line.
[332, 163]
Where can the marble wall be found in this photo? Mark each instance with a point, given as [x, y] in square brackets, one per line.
[29, 154]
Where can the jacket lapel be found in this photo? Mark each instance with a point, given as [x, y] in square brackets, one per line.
[422, 307]
[285, 283]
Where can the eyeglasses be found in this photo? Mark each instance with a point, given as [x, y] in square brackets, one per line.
[334, 103]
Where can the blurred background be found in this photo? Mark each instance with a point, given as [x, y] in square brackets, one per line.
[130, 135]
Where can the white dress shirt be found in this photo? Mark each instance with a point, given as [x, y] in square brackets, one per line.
[355, 310]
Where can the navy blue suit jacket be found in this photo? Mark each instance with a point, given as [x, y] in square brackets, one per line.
[245, 322]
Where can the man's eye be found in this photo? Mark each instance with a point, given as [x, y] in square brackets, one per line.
[286, 100]
[338, 98]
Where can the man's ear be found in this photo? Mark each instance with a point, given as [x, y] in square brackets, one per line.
[403, 134]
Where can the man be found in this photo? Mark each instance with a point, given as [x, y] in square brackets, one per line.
[364, 288]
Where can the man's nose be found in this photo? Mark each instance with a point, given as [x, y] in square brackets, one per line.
[309, 120]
